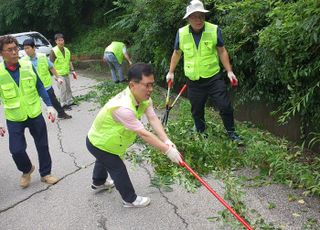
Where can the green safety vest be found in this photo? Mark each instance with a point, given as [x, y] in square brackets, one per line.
[116, 49]
[202, 61]
[23, 101]
[109, 135]
[42, 69]
[62, 62]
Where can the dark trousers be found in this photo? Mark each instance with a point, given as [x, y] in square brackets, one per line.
[55, 103]
[215, 88]
[18, 145]
[112, 164]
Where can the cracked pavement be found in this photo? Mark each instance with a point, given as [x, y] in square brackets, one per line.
[70, 204]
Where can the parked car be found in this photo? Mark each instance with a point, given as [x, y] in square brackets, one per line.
[42, 44]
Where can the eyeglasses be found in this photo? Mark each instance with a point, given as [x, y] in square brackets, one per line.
[11, 50]
[147, 85]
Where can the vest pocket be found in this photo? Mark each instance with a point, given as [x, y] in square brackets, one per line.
[28, 85]
[188, 50]
[189, 67]
[206, 48]
[8, 91]
[11, 104]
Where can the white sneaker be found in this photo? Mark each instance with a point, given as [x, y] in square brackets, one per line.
[98, 188]
[140, 202]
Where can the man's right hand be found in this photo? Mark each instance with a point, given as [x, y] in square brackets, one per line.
[170, 76]
[174, 155]
[2, 130]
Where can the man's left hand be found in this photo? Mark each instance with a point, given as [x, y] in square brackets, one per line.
[233, 79]
[51, 112]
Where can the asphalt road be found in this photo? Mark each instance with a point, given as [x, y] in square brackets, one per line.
[70, 204]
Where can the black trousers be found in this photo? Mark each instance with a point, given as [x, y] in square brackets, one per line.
[110, 163]
[55, 103]
[215, 88]
[17, 144]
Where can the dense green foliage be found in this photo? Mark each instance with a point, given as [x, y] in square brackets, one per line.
[49, 17]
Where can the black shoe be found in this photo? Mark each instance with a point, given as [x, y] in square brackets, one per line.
[64, 116]
[116, 81]
[67, 107]
[73, 103]
[124, 81]
[235, 138]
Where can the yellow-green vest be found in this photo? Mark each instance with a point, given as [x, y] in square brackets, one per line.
[42, 69]
[62, 62]
[116, 48]
[201, 62]
[20, 102]
[109, 135]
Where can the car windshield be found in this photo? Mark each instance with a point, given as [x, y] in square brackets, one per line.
[38, 40]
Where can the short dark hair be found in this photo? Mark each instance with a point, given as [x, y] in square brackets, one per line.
[7, 39]
[57, 36]
[29, 42]
[138, 70]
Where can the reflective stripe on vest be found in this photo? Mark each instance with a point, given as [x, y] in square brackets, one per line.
[116, 49]
[20, 102]
[42, 69]
[109, 135]
[202, 61]
[62, 62]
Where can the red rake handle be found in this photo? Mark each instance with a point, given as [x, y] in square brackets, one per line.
[245, 224]
[181, 91]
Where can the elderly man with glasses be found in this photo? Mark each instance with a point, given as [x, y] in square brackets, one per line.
[202, 44]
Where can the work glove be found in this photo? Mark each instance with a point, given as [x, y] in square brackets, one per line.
[170, 143]
[174, 155]
[74, 75]
[170, 76]
[51, 113]
[2, 130]
[233, 79]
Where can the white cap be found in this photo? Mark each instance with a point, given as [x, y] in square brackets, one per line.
[195, 6]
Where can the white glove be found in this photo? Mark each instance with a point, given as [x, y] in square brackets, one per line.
[170, 76]
[233, 79]
[51, 113]
[2, 130]
[174, 155]
[170, 143]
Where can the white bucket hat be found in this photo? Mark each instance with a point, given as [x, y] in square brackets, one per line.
[195, 6]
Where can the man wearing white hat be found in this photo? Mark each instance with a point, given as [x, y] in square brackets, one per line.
[203, 47]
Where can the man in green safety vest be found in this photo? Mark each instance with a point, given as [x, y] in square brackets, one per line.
[43, 65]
[115, 129]
[61, 58]
[113, 55]
[202, 45]
[20, 87]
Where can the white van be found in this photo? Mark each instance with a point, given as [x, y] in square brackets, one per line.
[42, 44]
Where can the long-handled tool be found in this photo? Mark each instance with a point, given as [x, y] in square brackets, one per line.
[165, 117]
[245, 224]
[168, 106]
